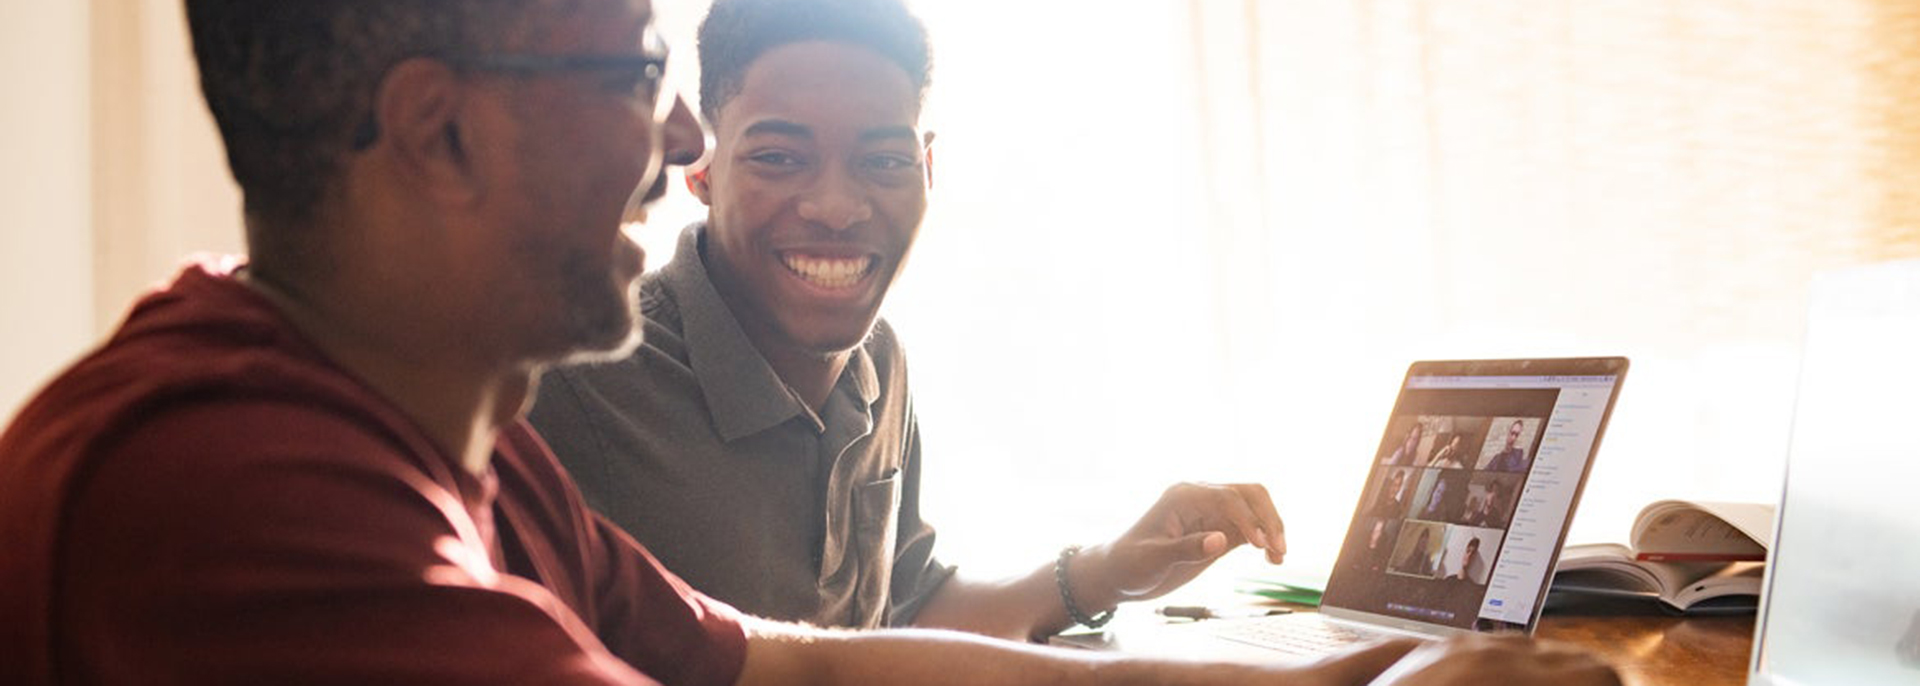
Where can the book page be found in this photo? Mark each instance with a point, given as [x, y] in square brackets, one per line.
[1677, 578]
[1584, 555]
[1606, 582]
[1603, 566]
[1688, 531]
[1740, 579]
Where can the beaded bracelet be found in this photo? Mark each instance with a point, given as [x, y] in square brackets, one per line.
[1066, 593]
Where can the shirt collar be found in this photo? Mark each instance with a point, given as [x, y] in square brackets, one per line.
[743, 393]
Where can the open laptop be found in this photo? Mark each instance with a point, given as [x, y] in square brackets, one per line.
[1842, 598]
[1465, 508]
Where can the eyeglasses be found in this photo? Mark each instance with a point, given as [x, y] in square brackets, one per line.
[644, 73]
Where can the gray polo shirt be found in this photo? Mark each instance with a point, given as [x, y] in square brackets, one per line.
[694, 446]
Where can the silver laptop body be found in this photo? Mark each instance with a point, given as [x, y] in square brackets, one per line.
[1842, 598]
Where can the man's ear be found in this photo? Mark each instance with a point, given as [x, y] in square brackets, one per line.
[700, 184]
[417, 111]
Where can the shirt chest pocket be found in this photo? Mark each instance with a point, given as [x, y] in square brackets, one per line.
[876, 507]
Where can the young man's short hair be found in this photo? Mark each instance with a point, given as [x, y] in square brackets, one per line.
[737, 32]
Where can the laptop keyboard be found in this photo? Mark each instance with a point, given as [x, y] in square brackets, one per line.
[1296, 635]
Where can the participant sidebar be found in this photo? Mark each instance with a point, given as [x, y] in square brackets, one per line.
[1545, 503]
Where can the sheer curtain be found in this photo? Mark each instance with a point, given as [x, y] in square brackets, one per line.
[1202, 239]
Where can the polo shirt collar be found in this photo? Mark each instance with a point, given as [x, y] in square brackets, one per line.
[743, 393]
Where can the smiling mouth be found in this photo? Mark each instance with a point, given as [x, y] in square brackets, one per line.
[829, 272]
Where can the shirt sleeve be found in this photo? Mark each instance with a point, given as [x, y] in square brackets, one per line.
[644, 613]
[239, 543]
[654, 620]
[917, 574]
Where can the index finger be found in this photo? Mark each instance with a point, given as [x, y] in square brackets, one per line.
[1261, 504]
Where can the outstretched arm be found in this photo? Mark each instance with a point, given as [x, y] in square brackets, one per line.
[788, 654]
[1190, 527]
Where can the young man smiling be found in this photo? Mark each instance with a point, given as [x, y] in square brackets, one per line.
[763, 442]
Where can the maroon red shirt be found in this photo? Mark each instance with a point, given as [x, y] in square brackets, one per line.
[207, 499]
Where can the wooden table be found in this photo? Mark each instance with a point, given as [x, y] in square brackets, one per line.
[1647, 646]
[1654, 649]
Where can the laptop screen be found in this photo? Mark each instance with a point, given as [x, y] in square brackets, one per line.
[1842, 604]
[1471, 490]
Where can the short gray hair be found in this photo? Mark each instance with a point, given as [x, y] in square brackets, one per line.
[291, 82]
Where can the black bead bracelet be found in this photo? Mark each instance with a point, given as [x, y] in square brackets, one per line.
[1066, 593]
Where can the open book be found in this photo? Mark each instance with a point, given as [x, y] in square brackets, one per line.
[1691, 556]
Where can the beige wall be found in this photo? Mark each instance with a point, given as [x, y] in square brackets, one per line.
[112, 174]
[160, 186]
[46, 289]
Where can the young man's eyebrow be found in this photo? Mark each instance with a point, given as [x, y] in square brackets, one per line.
[889, 132]
[778, 127]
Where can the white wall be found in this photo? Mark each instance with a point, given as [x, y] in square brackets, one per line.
[46, 245]
[161, 187]
[112, 174]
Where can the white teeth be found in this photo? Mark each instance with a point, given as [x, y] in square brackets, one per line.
[829, 273]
